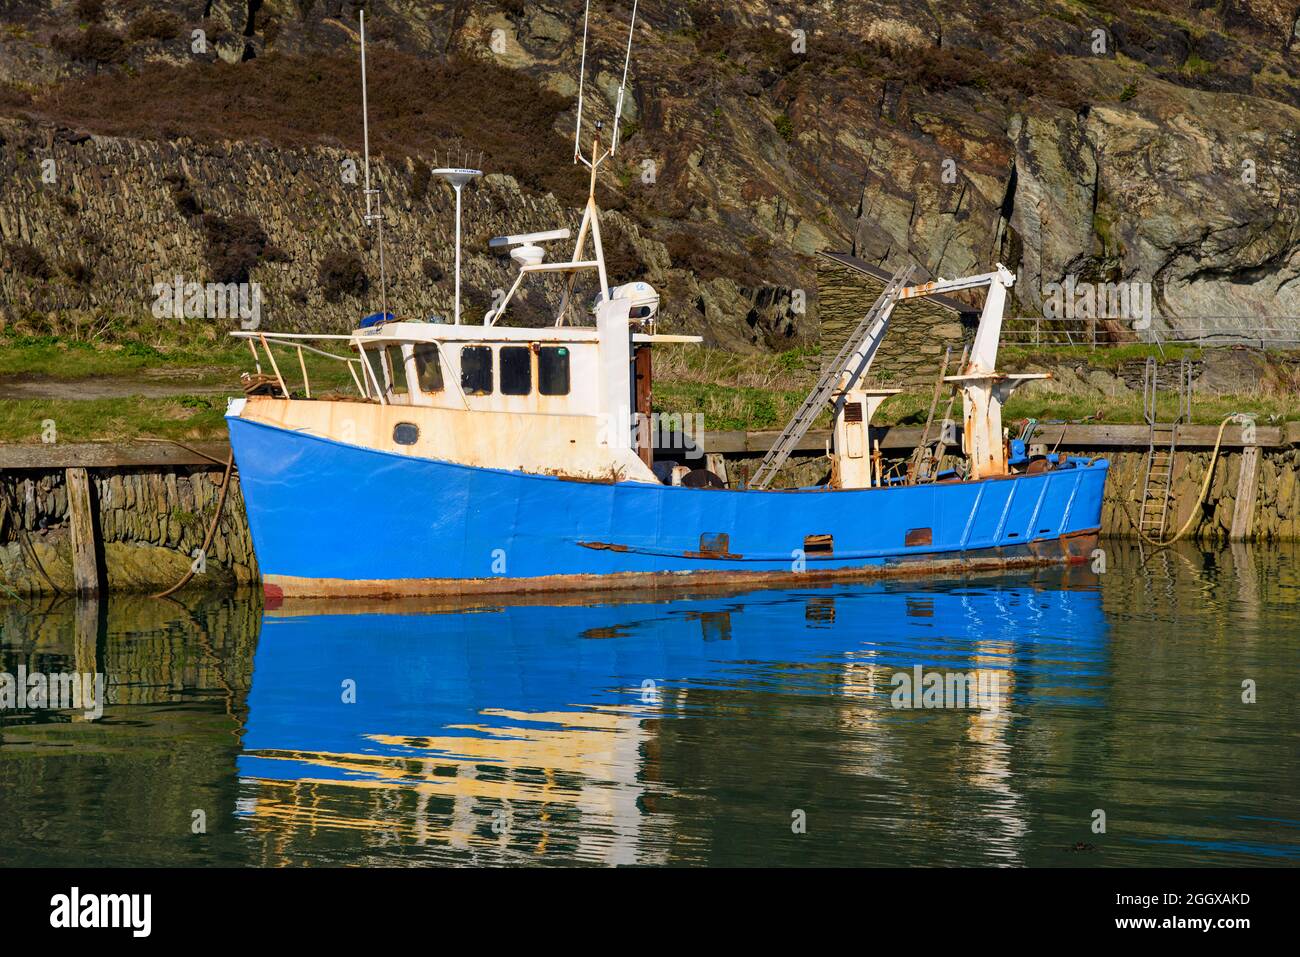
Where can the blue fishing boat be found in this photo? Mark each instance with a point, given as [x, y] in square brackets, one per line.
[481, 458]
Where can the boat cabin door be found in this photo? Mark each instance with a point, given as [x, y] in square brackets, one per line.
[641, 404]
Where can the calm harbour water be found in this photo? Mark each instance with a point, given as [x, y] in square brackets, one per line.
[699, 730]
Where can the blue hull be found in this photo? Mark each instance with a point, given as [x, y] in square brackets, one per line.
[328, 518]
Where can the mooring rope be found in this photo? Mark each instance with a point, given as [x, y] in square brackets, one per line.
[212, 529]
[1205, 488]
[24, 541]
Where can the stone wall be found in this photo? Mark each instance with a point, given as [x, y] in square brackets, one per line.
[919, 332]
[114, 208]
[123, 214]
[1277, 499]
[150, 523]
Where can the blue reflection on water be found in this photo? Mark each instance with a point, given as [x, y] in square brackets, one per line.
[466, 673]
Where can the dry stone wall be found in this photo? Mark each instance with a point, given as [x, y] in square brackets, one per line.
[151, 523]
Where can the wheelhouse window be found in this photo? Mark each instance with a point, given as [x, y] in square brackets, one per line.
[375, 357]
[553, 370]
[476, 370]
[428, 367]
[516, 370]
[397, 365]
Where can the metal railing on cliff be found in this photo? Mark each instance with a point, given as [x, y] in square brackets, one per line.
[1264, 332]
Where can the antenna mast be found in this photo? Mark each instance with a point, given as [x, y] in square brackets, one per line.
[582, 76]
[596, 160]
[627, 60]
[458, 176]
[374, 214]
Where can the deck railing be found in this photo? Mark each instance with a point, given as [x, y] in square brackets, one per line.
[298, 343]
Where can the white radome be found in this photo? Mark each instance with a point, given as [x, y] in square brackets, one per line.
[644, 299]
[528, 255]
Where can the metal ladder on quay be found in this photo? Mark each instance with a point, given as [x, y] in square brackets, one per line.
[1157, 485]
[864, 339]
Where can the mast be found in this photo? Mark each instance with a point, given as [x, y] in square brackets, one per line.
[458, 176]
[374, 213]
[622, 89]
[591, 212]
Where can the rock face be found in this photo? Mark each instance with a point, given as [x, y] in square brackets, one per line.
[1157, 144]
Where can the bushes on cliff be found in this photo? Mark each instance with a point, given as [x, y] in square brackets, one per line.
[235, 246]
[768, 54]
[28, 260]
[13, 99]
[187, 204]
[690, 252]
[342, 273]
[89, 11]
[154, 25]
[420, 176]
[96, 44]
[78, 270]
[622, 262]
[294, 101]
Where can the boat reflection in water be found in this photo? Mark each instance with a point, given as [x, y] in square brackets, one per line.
[594, 730]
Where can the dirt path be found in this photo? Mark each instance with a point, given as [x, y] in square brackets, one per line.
[149, 387]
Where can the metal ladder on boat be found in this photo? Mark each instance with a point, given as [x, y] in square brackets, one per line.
[868, 334]
[1162, 443]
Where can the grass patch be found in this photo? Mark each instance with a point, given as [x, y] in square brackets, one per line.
[757, 392]
[71, 359]
[109, 420]
[742, 392]
[1014, 358]
[206, 358]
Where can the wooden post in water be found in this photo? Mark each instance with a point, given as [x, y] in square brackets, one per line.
[81, 517]
[88, 625]
[1243, 509]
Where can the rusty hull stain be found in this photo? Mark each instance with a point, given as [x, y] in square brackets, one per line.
[1074, 548]
[606, 546]
[819, 545]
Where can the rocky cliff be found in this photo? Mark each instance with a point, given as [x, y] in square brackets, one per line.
[1156, 143]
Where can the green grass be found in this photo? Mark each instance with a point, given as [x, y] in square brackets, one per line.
[728, 408]
[215, 363]
[96, 420]
[1015, 357]
[733, 391]
[71, 359]
[192, 364]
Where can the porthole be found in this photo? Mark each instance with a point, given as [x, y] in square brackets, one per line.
[406, 433]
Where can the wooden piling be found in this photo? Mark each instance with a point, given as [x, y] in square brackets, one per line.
[81, 519]
[1243, 509]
